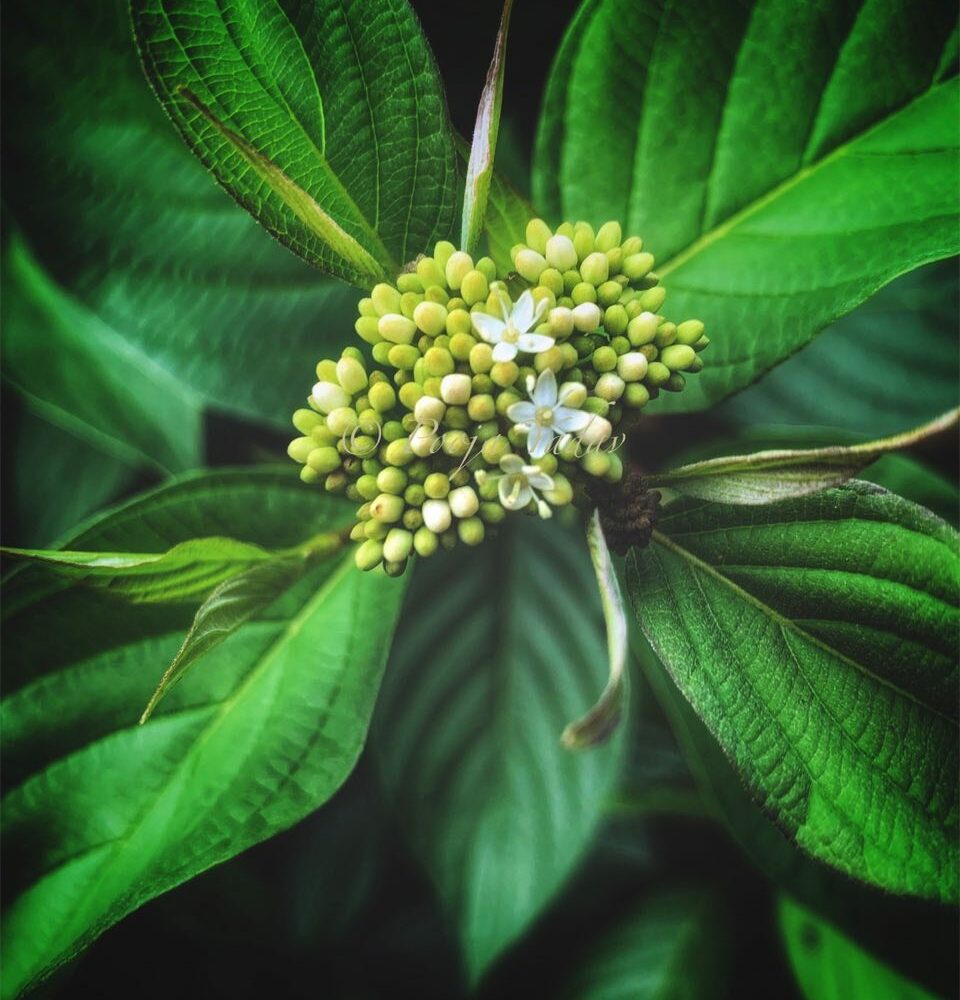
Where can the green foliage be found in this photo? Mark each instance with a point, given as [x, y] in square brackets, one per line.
[776, 193]
[829, 966]
[806, 634]
[478, 691]
[152, 249]
[343, 99]
[670, 949]
[102, 815]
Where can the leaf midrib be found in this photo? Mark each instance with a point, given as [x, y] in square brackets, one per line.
[787, 623]
[707, 239]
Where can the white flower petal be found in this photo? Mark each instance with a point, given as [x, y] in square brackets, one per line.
[504, 351]
[511, 464]
[539, 480]
[523, 312]
[515, 494]
[521, 413]
[545, 391]
[489, 327]
[538, 441]
[565, 419]
[534, 343]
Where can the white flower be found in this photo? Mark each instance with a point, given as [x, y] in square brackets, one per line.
[511, 333]
[547, 416]
[519, 483]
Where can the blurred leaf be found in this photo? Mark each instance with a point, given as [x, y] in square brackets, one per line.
[669, 949]
[829, 966]
[816, 639]
[344, 99]
[494, 655]
[767, 476]
[483, 149]
[102, 815]
[184, 573]
[84, 376]
[778, 195]
[890, 364]
[152, 248]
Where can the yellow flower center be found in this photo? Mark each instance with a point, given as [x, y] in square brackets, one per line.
[544, 416]
[511, 334]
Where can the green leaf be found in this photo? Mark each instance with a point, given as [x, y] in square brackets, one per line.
[767, 476]
[184, 573]
[494, 656]
[153, 248]
[859, 362]
[101, 815]
[671, 948]
[483, 149]
[343, 99]
[599, 723]
[777, 194]
[829, 966]
[84, 377]
[816, 640]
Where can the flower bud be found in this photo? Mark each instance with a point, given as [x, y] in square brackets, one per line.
[368, 555]
[596, 432]
[397, 328]
[399, 452]
[382, 397]
[471, 530]
[609, 293]
[424, 441]
[505, 373]
[538, 233]
[437, 362]
[431, 317]
[408, 282]
[368, 329]
[560, 322]
[394, 569]
[582, 292]
[429, 272]
[632, 367]
[456, 444]
[305, 420]
[604, 359]
[530, 265]
[474, 288]
[481, 408]
[653, 298]
[583, 241]
[658, 374]
[610, 387]
[300, 448]
[429, 411]
[425, 542]
[342, 421]
[351, 375]
[586, 317]
[458, 266]
[392, 480]
[562, 492]
[615, 320]
[678, 356]
[458, 321]
[595, 268]
[636, 395]
[456, 389]
[387, 508]
[638, 265]
[643, 328]
[461, 344]
[609, 236]
[328, 396]
[494, 449]
[689, 332]
[463, 502]
[436, 515]
[561, 253]
[376, 530]
[397, 545]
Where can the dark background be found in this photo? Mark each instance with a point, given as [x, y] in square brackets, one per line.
[336, 907]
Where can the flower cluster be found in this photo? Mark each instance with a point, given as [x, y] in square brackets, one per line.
[504, 392]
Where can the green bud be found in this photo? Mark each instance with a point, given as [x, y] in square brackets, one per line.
[436, 486]
[505, 373]
[408, 304]
[409, 282]
[488, 489]
[583, 241]
[702, 343]
[695, 366]
[387, 507]
[396, 328]
[583, 291]
[305, 420]
[658, 374]
[505, 400]
[403, 356]
[481, 408]
[615, 263]
[376, 530]
[675, 383]
[425, 542]
[399, 452]
[381, 352]
[562, 492]
[596, 405]
[458, 266]
[412, 518]
[368, 329]
[677, 356]
[492, 513]
[458, 322]
[471, 530]
[431, 386]
[638, 265]
[474, 287]
[571, 279]
[367, 487]
[632, 367]
[615, 472]
[394, 569]
[392, 480]
[560, 322]
[310, 476]
[666, 334]
[324, 460]
[429, 272]
[431, 318]
[615, 320]
[457, 418]
[538, 232]
[561, 253]
[689, 332]
[357, 533]
[397, 545]
[636, 395]
[367, 308]
[643, 328]
[437, 362]
[609, 293]
[552, 280]
[442, 252]
[382, 397]
[610, 387]
[393, 430]
[608, 236]
[343, 420]
[595, 269]
[456, 443]
[414, 495]
[487, 268]
[653, 298]
[461, 344]
[455, 389]
[596, 463]
[604, 359]
[300, 448]
[481, 358]
[494, 449]
[369, 554]
[586, 317]
[530, 264]
[386, 299]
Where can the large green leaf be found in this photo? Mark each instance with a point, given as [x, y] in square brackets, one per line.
[152, 247]
[84, 376]
[853, 375]
[495, 655]
[772, 161]
[829, 966]
[101, 814]
[343, 98]
[816, 639]
[671, 948]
